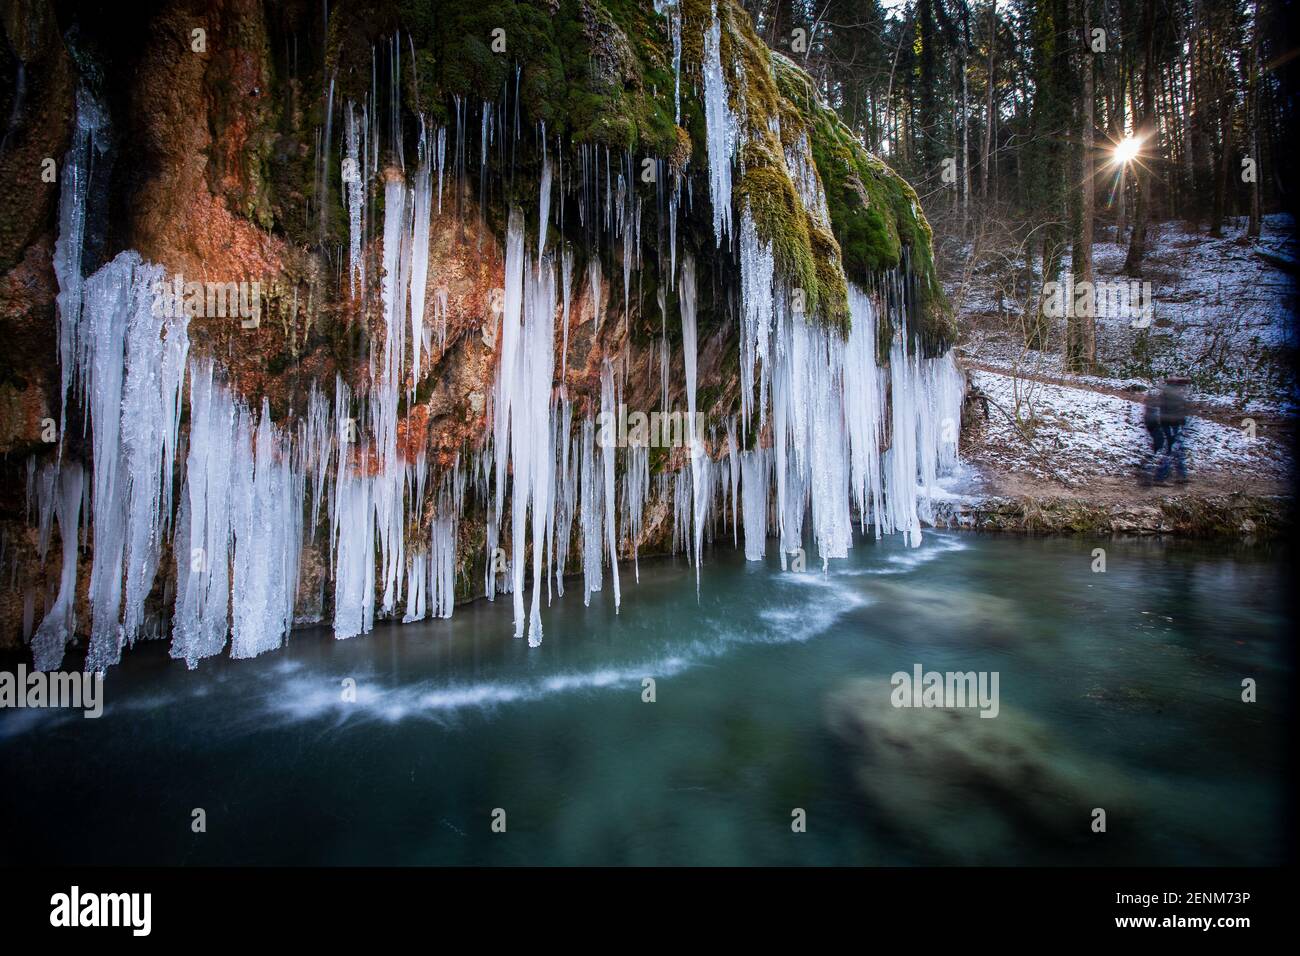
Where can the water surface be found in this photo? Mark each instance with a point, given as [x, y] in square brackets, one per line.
[1118, 690]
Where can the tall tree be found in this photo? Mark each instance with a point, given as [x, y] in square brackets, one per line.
[990, 117]
[1051, 121]
[1253, 122]
[930, 124]
[1137, 246]
[1081, 335]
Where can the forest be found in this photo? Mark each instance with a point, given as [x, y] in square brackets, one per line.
[1049, 124]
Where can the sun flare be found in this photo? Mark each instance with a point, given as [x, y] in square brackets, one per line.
[1126, 150]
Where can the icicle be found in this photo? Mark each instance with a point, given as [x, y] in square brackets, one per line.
[422, 209]
[442, 566]
[721, 128]
[757, 272]
[828, 486]
[683, 512]
[60, 621]
[566, 277]
[131, 379]
[354, 589]
[566, 487]
[733, 474]
[900, 460]
[591, 515]
[386, 483]
[441, 158]
[754, 466]
[151, 397]
[699, 460]
[864, 403]
[636, 491]
[544, 200]
[608, 409]
[354, 186]
[687, 306]
[78, 167]
[316, 446]
[532, 455]
[267, 520]
[672, 10]
[417, 579]
[203, 527]
[42, 491]
[595, 285]
[521, 425]
[352, 540]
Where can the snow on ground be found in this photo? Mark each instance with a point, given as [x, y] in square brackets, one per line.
[1223, 316]
[1079, 433]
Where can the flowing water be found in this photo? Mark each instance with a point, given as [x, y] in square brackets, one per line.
[1119, 690]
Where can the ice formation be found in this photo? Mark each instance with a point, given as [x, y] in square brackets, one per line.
[203, 524]
[61, 496]
[722, 129]
[131, 368]
[824, 434]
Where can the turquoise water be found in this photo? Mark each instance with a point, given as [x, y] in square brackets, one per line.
[1119, 690]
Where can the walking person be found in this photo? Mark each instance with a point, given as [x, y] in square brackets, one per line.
[1173, 419]
[1151, 419]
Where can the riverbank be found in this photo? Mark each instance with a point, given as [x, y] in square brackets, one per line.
[1076, 468]
[1236, 515]
[1047, 451]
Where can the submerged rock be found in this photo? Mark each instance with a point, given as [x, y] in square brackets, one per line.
[959, 614]
[974, 790]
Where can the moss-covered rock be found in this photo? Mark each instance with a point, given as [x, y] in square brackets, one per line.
[600, 72]
[1238, 516]
[595, 71]
[875, 214]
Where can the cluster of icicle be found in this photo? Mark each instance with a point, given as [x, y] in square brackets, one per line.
[253, 492]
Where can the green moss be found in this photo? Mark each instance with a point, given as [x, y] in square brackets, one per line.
[595, 71]
[600, 72]
[875, 214]
[766, 191]
[832, 287]
[807, 254]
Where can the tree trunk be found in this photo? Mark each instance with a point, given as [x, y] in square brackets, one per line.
[965, 114]
[1082, 341]
[1118, 115]
[1137, 246]
[1223, 184]
[988, 126]
[1252, 112]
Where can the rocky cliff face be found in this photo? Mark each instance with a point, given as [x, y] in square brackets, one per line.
[405, 189]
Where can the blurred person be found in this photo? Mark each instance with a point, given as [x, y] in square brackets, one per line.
[1173, 418]
[1151, 419]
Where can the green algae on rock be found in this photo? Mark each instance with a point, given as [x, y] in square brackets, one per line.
[875, 214]
[601, 73]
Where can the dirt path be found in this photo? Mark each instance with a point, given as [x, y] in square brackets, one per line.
[1008, 468]
[1214, 413]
